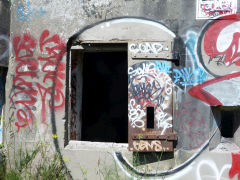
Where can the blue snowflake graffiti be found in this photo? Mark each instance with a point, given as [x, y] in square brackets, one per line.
[26, 13]
[187, 76]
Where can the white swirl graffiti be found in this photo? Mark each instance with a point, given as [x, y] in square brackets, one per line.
[135, 114]
[164, 80]
[146, 68]
[163, 120]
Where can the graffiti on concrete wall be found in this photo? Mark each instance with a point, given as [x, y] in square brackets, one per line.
[218, 49]
[191, 41]
[26, 85]
[150, 84]
[200, 169]
[188, 76]
[195, 74]
[24, 95]
[26, 13]
[188, 117]
[235, 168]
[200, 93]
[207, 169]
[191, 46]
[213, 8]
[52, 49]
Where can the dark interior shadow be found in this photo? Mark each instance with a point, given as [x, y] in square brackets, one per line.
[142, 158]
[105, 97]
[226, 118]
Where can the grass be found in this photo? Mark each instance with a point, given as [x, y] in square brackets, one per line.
[109, 172]
[37, 165]
[34, 164]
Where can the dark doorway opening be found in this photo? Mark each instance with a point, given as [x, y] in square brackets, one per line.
[3, 76]
[150, 117]
[227, 119]
[105, 97]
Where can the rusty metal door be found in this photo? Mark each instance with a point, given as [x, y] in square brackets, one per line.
[150, 97]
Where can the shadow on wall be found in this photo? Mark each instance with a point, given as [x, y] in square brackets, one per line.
[4, 32]
[3, 75]
[227, 119]
[105, 94]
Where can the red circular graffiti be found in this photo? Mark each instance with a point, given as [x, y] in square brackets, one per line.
[222, 38]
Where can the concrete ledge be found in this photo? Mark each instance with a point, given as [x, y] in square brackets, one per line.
[87, 145]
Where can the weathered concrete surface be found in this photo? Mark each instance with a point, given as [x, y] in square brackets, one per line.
[208, 165]
[34, 112]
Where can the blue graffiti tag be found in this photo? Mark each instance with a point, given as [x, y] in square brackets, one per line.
[184, 76]
[201, 75]
[187, 76]
[25, 13]
[190, 44]
[163, 66]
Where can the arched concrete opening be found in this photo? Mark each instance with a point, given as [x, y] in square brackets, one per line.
[126, 29]
[109, 37]
[113, 38]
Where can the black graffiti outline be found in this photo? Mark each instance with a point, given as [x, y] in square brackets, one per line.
[206, 26]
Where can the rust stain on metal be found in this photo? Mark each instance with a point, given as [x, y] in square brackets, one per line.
[169, 136]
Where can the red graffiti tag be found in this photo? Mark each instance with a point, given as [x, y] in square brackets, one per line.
[26, 67]
[199, 93]
[235, 169]
[222, 38]
[25, 94]
[54, 69]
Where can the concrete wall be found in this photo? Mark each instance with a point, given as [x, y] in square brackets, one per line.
[37, 100]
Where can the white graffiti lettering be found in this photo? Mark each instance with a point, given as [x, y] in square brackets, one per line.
[163, 120]
[211, 165]
[146, 145]
[147, 47]
[135, 114]
[141, 71]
